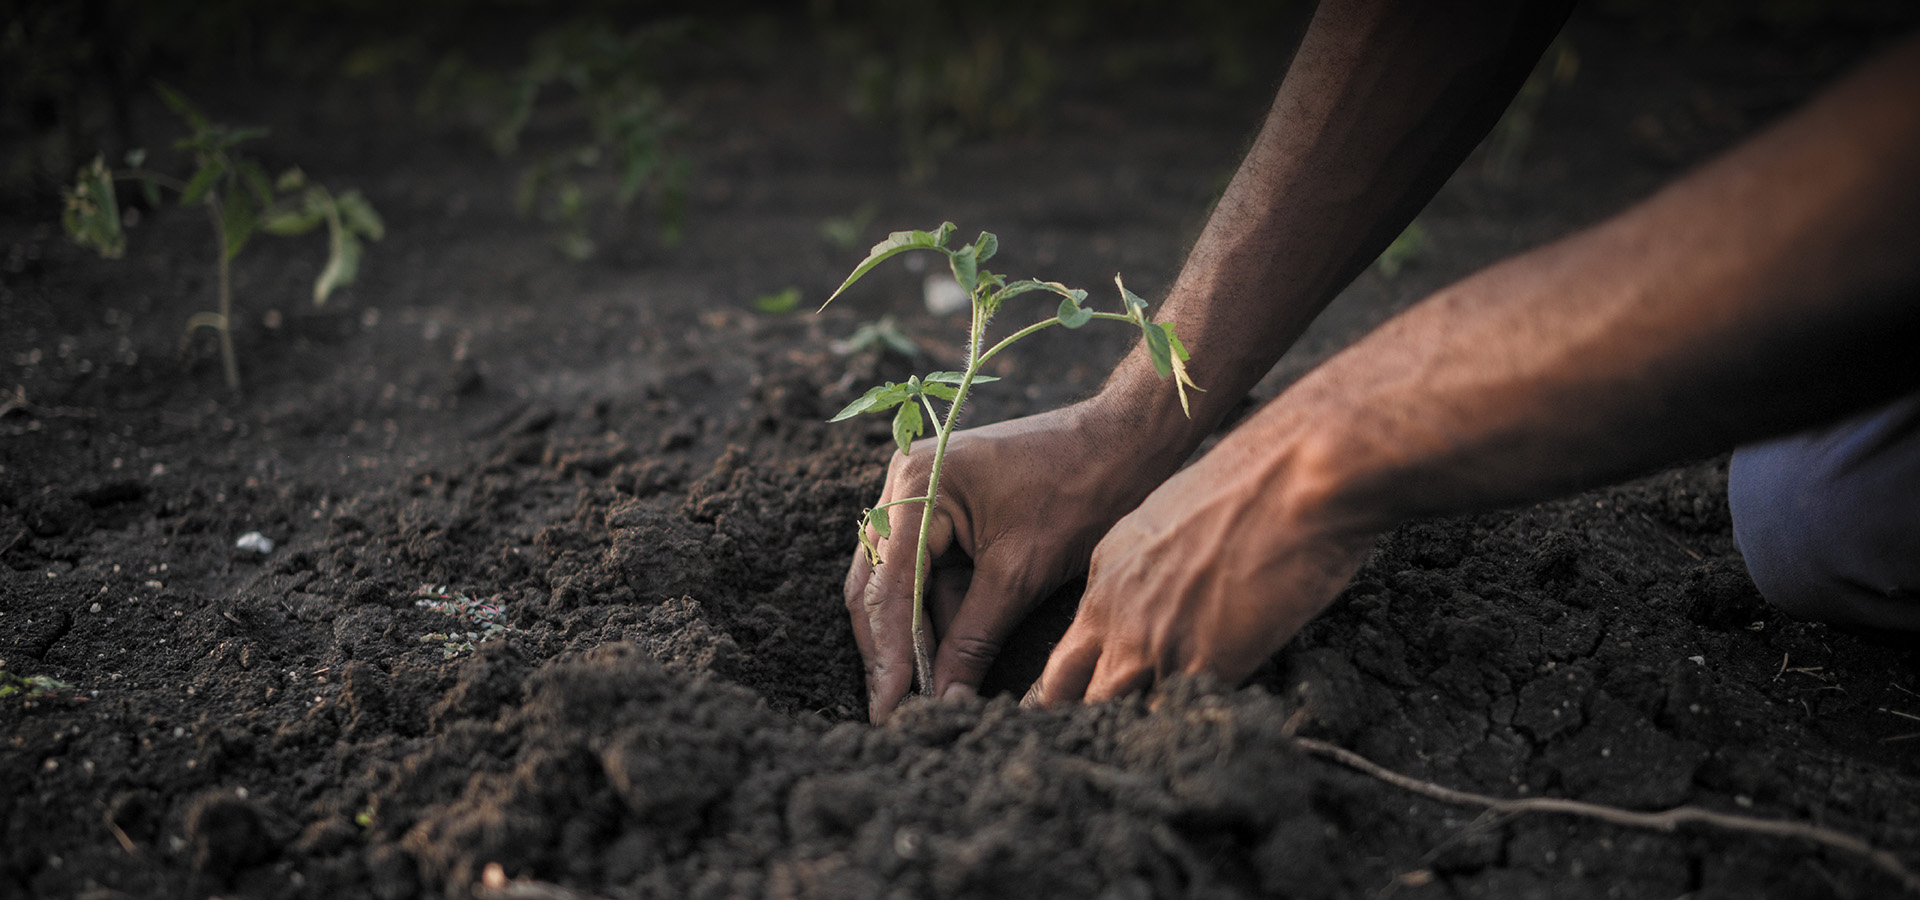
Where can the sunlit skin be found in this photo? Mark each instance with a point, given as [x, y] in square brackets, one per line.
[1773, 288]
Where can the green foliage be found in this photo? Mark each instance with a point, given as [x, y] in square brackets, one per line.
[587, 67]
[843, 232]
[1409, 246]
[940, 75]
[779, 302]
[240, 201]
[987, 292]
[881, 334]
[36, 687]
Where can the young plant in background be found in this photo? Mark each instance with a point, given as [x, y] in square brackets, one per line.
[987, 291]
[631, 128]
[240, 200]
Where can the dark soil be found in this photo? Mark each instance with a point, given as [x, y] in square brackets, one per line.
[634, 465]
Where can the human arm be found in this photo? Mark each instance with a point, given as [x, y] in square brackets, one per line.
[1775, 288]
[1381, 103]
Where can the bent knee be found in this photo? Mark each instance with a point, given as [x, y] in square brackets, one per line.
[1828, 521]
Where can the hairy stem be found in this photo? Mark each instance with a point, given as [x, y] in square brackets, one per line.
[922, 641]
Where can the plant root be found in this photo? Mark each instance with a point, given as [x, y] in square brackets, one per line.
[1666, 820]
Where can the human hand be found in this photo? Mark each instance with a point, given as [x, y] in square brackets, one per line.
[1022, 503]
[1213, 573]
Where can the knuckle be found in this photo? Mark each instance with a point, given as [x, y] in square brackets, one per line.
[973, 651]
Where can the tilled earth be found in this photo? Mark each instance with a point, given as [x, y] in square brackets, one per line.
[559, 546]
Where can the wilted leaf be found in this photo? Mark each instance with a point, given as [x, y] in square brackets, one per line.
[343, 262]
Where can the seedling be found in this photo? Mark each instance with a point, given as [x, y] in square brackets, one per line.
[37, 687]
[240, 200]
[633, 127]
[986, 291]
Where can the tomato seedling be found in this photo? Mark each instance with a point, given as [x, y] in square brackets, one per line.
[986, 292]
[239, 198]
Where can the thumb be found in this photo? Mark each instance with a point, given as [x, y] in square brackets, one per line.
[997, 601]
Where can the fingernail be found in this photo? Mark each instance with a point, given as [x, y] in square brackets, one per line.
[957, 691]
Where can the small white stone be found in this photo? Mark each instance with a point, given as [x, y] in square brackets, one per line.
[943, 295]
[1698, 660]
[254, 542]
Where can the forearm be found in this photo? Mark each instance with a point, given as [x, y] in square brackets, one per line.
[1381, 103]
[1776, 288]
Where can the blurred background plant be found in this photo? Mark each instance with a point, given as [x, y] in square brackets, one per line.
[239, 199]
[586, 72]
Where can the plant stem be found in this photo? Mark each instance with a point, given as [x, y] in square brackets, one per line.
[922, 641]
[1038, 326]
[228, 364]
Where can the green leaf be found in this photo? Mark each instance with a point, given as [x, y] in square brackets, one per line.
[1026, 285]
[1136, 307]
[956, 378]
[358, 215]
[877, 519]
[291, 180]
[1073, 315]
[896, 243]
[136, 156]
[778, 302]
[986, 246]
[966, 268]
[181, 106]
[286, 220]
[255, 178]
[876, 399]
[203, 181]
[1157, 348]
[906, 426]
[237, 220]
[940, 390]
[232, 136]
[92, 214]
[343, 262]
[150, 189]
[1173, 340]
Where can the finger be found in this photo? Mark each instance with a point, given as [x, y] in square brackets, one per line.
[1064, 680]
[888, 661]
[888, 604]
[1121, 671]
[995, 605]
[947, 594]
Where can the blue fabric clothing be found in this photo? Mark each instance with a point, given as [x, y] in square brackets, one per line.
[1829, 519]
